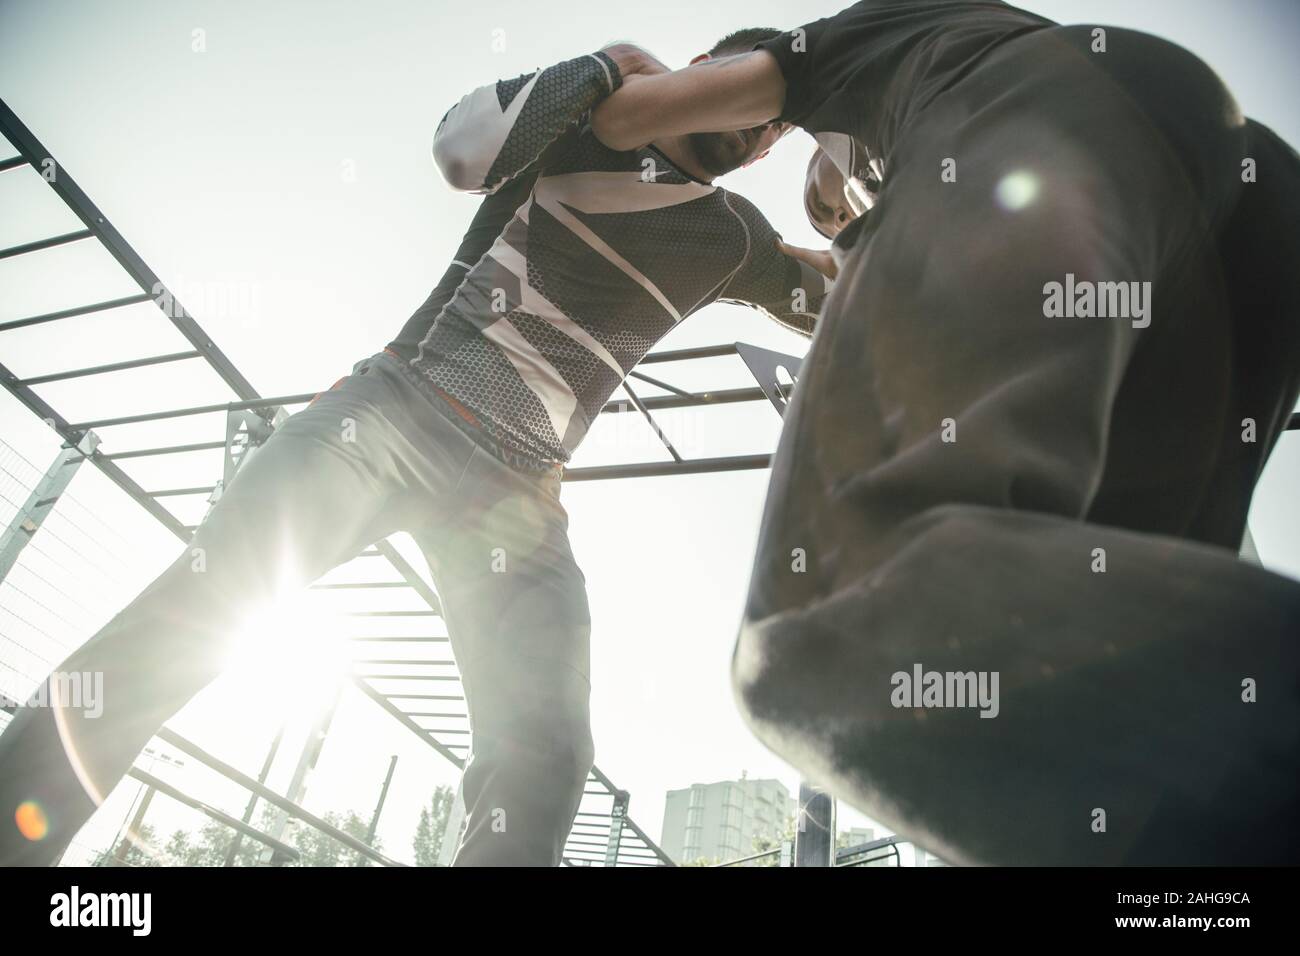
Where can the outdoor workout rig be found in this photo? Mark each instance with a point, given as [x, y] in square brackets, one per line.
[409, 674]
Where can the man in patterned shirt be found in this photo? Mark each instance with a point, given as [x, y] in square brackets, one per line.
[577, 262]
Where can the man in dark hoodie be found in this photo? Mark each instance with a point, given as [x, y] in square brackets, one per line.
[1063, 342]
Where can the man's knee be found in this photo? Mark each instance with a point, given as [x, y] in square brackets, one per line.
[536, 718]
[823, 656]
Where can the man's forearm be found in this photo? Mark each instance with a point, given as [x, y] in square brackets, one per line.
[728, 93]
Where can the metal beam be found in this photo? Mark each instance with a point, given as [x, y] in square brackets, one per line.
[78, 310]
[165, 450]
[48, 243]
[680, 355]
[406, 721]
[28, 519]
[410, 575]
[31, 150]
[73, 436]
[112, 367]
[239, 826]
[197, 410]
[656, 469]
[725, 396]
[270, 796]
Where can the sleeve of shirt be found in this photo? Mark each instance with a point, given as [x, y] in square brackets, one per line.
[499, 130]
[782, 288]
[797, 54]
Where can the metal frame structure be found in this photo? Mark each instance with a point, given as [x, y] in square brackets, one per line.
[410, 676]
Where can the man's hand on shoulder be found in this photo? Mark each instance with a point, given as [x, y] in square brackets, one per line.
[631, 60]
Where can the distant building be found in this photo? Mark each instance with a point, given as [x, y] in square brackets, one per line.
[721, 820]
[855, 836]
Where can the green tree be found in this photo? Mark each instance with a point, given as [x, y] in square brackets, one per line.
[321, 849]
[136, 853]
[432, 828]
[764, 843]
[211, 844]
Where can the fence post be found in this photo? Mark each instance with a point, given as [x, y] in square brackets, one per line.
[814, 840]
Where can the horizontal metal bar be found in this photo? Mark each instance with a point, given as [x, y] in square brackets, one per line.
[200, 410]
[79, 310]
[390, 614]
[726, 396]
[747, 859]
[869, 847]
[165, 450]
[66, 188]
[641, 376]
[359, 584]
[270, 796]
[48, 243]
[220, 816]
[113, 367]
[42, 410]
[437, 638]
[407, 676]
[653, 469]
[13, 162]
[181, 492]
[399, 662]
[681, 355]
[1294, 422]
[385, 701]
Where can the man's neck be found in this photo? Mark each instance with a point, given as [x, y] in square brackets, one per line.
[681, 153]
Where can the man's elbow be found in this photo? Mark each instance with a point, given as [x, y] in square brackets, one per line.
[456, 164]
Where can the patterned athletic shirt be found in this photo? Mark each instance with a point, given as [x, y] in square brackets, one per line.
[580, 260]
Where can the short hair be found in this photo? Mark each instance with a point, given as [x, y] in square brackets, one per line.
[742, 41]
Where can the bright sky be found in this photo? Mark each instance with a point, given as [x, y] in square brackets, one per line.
[280, 182]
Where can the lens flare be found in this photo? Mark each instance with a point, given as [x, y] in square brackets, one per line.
[1017, 190]
[31, 820]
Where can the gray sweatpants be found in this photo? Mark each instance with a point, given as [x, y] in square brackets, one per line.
[370, 457]
[973, 485]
